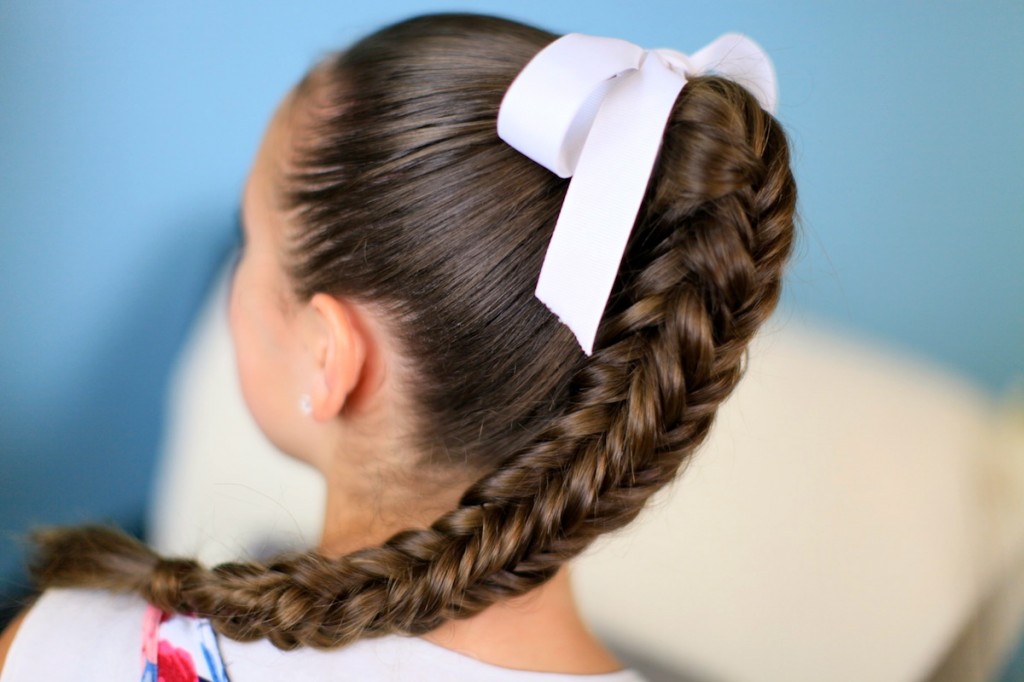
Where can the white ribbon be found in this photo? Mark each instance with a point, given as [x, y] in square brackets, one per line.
[595, 109]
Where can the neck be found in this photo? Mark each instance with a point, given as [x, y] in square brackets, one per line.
[355, 521]
[370, 497]
[540, 631]
[374, 487]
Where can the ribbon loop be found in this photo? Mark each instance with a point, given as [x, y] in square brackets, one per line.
[595, 109]
[549, 108]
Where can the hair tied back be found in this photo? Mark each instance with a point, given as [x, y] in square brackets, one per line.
[595, 109]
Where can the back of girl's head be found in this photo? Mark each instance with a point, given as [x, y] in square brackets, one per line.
[402, 196]
[407, 198]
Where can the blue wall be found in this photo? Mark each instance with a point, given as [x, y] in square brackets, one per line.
[126, 130]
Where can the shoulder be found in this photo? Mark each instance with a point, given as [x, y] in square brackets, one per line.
[76, 634]
[389, 658]
[81, 635]
[8, 636]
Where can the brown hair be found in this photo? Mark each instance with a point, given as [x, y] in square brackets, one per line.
[407, 198]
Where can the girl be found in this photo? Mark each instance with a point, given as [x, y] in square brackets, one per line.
[387, 332]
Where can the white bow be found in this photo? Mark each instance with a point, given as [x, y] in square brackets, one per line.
[595, 109]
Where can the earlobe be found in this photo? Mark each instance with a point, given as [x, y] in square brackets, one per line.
[339, 350]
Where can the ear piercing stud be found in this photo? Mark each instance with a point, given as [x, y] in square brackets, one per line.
[306, 404]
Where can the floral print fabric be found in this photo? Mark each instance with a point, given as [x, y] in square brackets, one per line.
[179, 648]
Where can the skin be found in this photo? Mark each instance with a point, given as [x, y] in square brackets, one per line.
[7, 638]
[341, 355]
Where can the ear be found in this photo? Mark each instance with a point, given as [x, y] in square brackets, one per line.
[338, 346]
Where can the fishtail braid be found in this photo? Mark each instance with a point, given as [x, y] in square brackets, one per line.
[701, 273]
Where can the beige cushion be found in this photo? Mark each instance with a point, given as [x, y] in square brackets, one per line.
[850, 512]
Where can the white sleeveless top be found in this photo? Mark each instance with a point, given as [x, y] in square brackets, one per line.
[85, 635]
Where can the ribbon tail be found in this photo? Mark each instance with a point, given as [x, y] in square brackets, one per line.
[604, 197]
